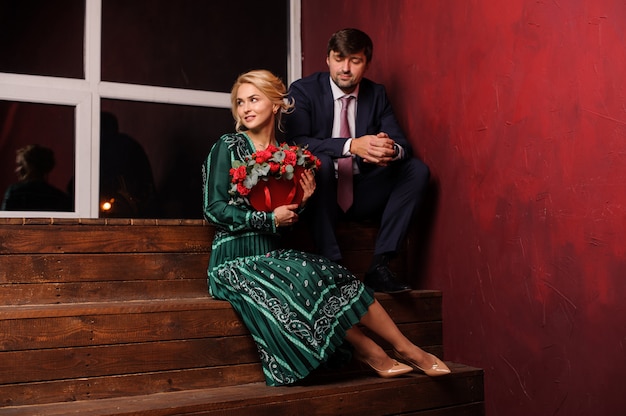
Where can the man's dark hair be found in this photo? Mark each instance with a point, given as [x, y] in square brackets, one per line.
[349, 41]
[39, 159]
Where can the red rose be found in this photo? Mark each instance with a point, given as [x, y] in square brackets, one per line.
[290, 158]
[262, 156]
[239, 174]
[243, 191]
[274, 167]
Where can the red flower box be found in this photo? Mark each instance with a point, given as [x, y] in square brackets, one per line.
[274, 192]
[270, 178]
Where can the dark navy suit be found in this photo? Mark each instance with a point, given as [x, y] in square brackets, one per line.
[386, 194]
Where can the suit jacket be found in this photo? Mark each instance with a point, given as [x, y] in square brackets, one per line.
[311, 122]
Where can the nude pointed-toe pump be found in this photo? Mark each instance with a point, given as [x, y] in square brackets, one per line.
[438, 367]
[397, 369]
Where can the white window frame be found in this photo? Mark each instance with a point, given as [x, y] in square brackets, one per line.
[86, 94]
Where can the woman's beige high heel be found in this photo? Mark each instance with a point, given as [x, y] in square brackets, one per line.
[438, 368]
[397, 369]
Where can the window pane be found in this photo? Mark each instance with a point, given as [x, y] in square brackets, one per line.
[42, 37]
[175, 140]
[35, 184]
[190, 43]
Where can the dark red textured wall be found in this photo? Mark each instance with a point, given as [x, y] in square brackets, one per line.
[519, 108]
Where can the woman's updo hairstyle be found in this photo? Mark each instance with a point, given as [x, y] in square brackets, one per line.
[270, 85]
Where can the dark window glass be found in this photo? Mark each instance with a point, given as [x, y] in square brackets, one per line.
[36, 132]
[42, 37]
[174, 141]
[192, 44]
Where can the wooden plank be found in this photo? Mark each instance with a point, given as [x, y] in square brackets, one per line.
[54, 268]
[143, 321]
[111, 308]
[65, 363]
[62, 267]
[123, 328]
[86, 238]
[46, 293]
[42, 268]
[106, 387]
[403, 307]
[35, 365]
[356, 396]
[357, 242]
[91, 330]
[350, 235]
[104, 239]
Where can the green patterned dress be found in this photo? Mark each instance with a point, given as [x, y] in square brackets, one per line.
[297, 306]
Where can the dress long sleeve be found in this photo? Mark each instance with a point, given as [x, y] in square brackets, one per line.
[218, 206]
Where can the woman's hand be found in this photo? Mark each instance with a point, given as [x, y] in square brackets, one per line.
[307, 182]
[285, 215]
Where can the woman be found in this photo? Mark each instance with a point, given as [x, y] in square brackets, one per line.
[299, 307]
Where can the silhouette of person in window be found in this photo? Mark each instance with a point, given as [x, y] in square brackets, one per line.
[126, 183]
[33, 192]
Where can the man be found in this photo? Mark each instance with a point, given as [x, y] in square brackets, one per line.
[33, 192]
[382, 181]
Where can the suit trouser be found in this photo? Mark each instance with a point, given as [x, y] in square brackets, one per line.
[389, 195]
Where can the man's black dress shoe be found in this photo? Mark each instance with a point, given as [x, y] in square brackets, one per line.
[381, 279]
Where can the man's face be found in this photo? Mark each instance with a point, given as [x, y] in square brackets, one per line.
[347, 71]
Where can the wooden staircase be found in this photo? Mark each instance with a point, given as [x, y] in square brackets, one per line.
[112, 317]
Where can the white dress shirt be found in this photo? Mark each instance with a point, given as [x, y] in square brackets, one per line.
[352, 104]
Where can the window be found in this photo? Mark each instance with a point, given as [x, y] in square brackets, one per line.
[45, 148]
[42, 37]
[160, 70]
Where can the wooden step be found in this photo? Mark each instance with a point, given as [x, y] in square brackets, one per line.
[63, 236]
[63, 261]
[70, 260]
[85, 351]
[66, 278]
[460, 393]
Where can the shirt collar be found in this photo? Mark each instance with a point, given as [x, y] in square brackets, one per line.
[337, 93]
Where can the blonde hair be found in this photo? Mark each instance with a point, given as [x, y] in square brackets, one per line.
[270, 85]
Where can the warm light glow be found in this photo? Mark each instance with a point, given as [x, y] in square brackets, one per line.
[107, 205]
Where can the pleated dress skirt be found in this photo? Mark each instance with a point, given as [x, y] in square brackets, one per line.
[297, 306]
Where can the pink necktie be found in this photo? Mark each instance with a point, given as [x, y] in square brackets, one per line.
[344, 164]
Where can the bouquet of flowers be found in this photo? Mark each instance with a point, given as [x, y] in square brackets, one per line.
[270, 178]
